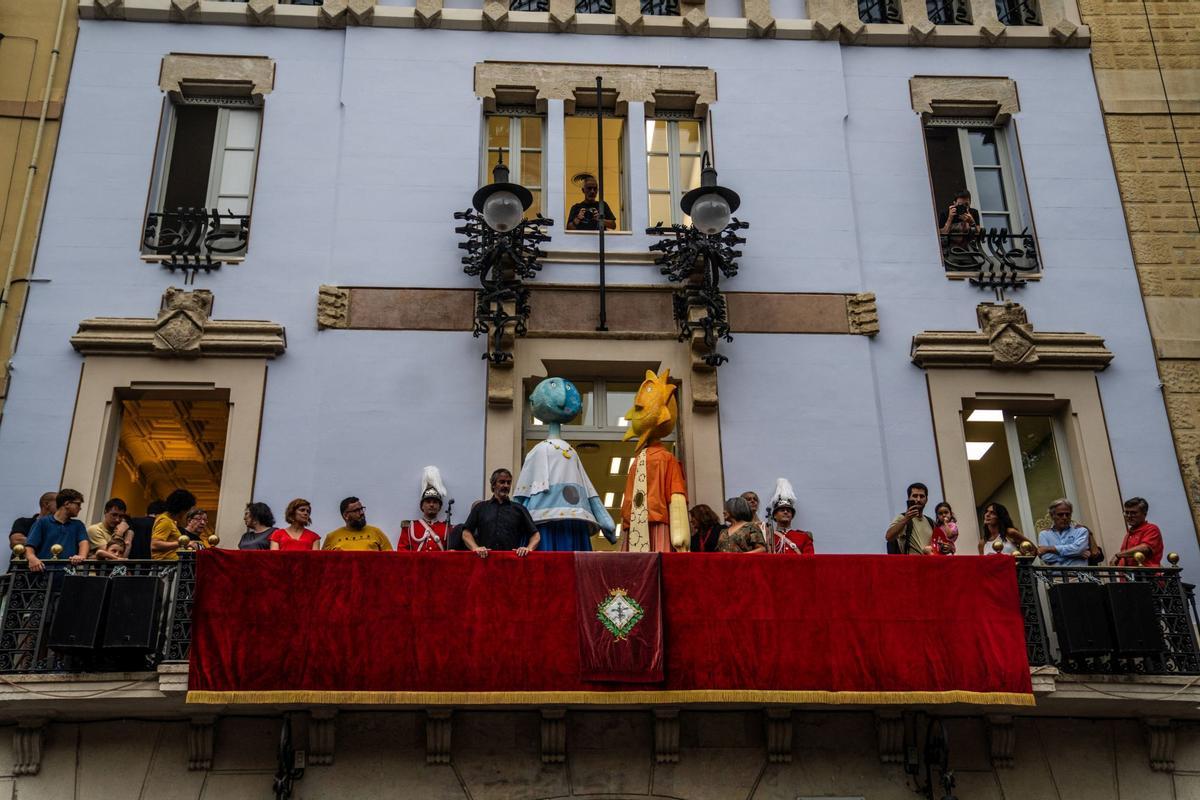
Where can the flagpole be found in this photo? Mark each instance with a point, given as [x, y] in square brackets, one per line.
[603, 326]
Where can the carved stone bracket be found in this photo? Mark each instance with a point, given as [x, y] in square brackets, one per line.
[554, 735]
[695, 21]
[185, 10]
[1002, 740]
[1160, 736]
[428, 13]
[261, 12]
[332, 13]
[629, 15]
[1007, 340]
[333, 307]
[361, 12]
[183, 329]
[201, 732]
[562, 15]
[437, 736]
[862, 314]
[666, 735]
[28, 738]
[779, 735]
[322, 728]
[495, 16]
[889, 725]
[759, 21]
[109, 9]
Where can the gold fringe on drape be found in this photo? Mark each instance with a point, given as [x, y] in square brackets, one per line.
[608, 698]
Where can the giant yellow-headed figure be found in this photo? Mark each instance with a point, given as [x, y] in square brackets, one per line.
[654, 512]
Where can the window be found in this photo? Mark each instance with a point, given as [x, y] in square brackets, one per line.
[673, 149]
[519, 137]
[1018, 12]
[948, 12]
[580, 155]
[974, 155]
[1020, 461]
[204, 177]
[880, 11]
[596, 433]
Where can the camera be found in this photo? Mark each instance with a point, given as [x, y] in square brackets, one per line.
[962, 208]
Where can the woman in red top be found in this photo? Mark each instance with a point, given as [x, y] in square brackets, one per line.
[296, 536]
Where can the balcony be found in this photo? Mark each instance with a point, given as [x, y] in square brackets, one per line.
[195, 238]
[995, 250]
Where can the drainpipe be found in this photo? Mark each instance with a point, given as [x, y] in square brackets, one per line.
[6, 287]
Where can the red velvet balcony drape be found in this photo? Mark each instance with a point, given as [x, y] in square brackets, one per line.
[450, 628]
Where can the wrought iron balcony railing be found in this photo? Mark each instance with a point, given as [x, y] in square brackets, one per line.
[948, 12]
[29, 604]
[196, 238]
[990, 251]
[1018, 12]
[1170, 604]
[880, 11]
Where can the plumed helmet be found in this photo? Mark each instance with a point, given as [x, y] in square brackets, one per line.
[784, 496]
[432, 487]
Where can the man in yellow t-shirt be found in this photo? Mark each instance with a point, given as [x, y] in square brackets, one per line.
[164, 541]
[356, 534]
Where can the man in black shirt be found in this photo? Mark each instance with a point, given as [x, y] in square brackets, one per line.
[585, 216]
[22, 525]
[499, 523]
[959, 218]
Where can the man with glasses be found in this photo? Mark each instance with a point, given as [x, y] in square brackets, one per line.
[1141, 537]
[60, 528]
[356, 534]
[1065, 544]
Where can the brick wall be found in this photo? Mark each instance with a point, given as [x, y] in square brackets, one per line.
[1147, 62]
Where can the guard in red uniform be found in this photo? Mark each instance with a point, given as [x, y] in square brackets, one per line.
[780, 536]
[427, 534]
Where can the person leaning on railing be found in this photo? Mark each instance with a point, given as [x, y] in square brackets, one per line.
[742, 535]
[959, 221]
[1064, 544]
[998, 526]
[164, 541]
[1140, 537]
[60, 528]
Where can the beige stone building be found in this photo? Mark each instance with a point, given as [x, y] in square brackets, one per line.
[1147, 61]
[35, 62]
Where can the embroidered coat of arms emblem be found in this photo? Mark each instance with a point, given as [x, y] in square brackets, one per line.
[619, 613]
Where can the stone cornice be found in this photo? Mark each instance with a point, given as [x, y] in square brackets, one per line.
[182, 329]
[1006, 340]
[836, 22]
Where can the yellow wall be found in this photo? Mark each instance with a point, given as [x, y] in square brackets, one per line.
[28, 27]
[1147, 61]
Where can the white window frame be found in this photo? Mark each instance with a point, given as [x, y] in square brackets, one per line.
[515, 154]
[624, 168]
[599, 429]
[675, 191]
[1025, 511]
[162, 169]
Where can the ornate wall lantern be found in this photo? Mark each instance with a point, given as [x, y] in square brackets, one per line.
[696, 256]
[502, 251]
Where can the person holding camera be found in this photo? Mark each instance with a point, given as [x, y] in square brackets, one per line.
[911, 532]
[959, 220]
[585, 216]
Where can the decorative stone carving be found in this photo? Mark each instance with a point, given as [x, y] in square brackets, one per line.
[108, 9]
[1008, 341]
[181, 321]
[261, 12]
[695, 22]
[921, 32]
[1160, 735]
[759, 21]
[562, 15]
[889, 725]
[629, 15]
[428, 13]
[185, 10]
[779, 735]
[322, 728]
[992, 33]
[501, 386]
[1002, 740]
[333, 307]
[361, 12]
[631, 84]
[332, 13]
[1065, 32]
[862, 314]
[495, 16]
[27, 746]
[437, 736]
[201, 731]
[248, 75]
[988, 98]
[554, 735]
[183, 329]
[666, 735]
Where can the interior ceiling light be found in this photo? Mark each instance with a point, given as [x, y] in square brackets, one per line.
[986, 415]
[975, 450]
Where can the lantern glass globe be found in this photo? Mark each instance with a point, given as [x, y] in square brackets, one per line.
[502, 211]
[710, 213]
